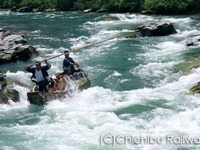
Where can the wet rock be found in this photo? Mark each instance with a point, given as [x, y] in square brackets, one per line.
[13, 47]
[12, 94]
[147, 12]
[38, 9]
[3, 98]
[195, 89]
[23, 52]
[101, 10]
[87, 10]
[160, 29]
[7, 93]
[50, 10]
[3, 82]
[29, 8]
[22, 9]
[14, 39]
[195, 41]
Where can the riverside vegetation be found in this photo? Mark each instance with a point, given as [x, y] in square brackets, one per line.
[151, 6]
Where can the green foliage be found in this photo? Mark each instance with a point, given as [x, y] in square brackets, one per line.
[97, 4]
[157, 6]
[63, 4]
[119, 5]
[81, 4]
[131, 5]
[48, 4]
[33, 3]
[194, 6]
[10, 3]
[167, 6]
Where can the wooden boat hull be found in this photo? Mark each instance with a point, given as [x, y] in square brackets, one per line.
[39, 98]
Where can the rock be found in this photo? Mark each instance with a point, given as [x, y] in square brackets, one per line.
[195, 89]
[87, 10]
[29, 8]
[14, 39]
[50, 10]
[7, 94]
[3, 33]
[3, 82]
[3, 98]
[147, 12]
[13, 47]
[24, 9]
[101, 10]
[12, 94]
[41, 8]
[195, 41]
[23, 52]
[159, 29]
[1, 43]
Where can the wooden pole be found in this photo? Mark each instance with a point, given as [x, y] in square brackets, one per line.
[86, 46]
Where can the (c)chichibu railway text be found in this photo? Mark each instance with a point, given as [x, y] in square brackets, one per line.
[137, 140]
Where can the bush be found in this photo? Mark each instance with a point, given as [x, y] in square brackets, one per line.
[157, 6]
[167, 6]
[122, 5]
[10, 3]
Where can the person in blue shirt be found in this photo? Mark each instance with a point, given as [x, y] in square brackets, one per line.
[68, 65]
[40, 75]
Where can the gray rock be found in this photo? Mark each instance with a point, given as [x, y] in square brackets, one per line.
[13, 47]
[87, 10]
[50, 10]
[6, 93]
[24, 9]
[195, 41]
[12, 94]
[3, 98]
[23, 52]
[159, 29]
[16, 39]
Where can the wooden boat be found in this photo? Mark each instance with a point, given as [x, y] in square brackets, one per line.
[39, 98]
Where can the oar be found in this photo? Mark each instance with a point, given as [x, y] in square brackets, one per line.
[89, 45]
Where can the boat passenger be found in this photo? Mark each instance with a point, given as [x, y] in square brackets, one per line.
[52, 84]
[40, 75]
[61, 82]
[68, 65]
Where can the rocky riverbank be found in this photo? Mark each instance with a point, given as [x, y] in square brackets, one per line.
[13, 47]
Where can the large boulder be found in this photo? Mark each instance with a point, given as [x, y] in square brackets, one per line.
[162, 28]
[7, 94]
[13, 47]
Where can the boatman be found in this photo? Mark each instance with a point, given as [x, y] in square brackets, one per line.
[68, 65]
[40, 75]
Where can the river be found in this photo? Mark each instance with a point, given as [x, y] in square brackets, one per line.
[139, 86]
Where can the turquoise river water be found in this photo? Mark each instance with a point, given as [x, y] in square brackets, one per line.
[138, 97]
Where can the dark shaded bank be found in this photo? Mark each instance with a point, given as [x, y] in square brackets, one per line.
[144, 6]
